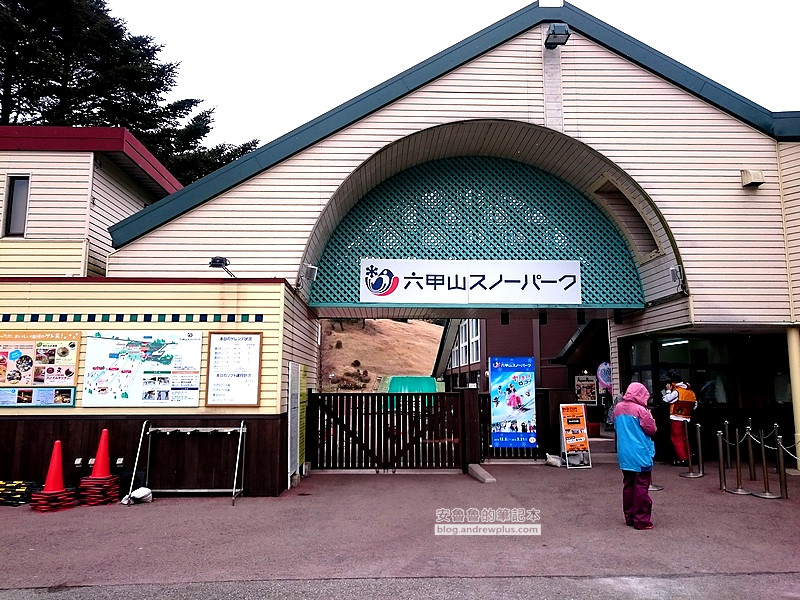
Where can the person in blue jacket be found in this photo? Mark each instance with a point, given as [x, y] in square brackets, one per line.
[635, 428]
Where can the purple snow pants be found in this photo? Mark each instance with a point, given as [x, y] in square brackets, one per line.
[636, 502]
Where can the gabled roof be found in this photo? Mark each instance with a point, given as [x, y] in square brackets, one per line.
[119, 144]
[781, 126]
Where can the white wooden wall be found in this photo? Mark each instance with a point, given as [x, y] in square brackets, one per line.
[58, 193]
[790, 181]
[114, 196]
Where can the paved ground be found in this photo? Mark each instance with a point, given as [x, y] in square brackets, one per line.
[372, 536]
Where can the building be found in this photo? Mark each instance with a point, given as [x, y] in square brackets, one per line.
[671, 199]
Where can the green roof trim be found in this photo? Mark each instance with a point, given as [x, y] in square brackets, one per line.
[784, 126]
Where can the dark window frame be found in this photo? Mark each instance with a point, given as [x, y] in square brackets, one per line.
[16, 202]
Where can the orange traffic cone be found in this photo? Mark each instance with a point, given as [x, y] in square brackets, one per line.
[101, 463]
[55, 477]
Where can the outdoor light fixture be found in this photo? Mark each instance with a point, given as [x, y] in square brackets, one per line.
[581, 317]
[557, 35]
[542, 317]
[220, 262]
[504, 318]
[310, 272]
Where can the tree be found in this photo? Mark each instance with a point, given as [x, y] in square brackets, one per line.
[71, 63]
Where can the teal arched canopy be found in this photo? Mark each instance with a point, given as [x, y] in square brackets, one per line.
[479, 208]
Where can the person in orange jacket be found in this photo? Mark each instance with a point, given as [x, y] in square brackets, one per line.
[682, 401]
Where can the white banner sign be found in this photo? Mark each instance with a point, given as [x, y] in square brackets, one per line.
[475, 282]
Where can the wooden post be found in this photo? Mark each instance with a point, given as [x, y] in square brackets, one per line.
[470, 429]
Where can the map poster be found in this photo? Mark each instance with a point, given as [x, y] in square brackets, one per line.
[234, 369]
[586, 389]
[38, 368]
[141, 368]
[512, 392]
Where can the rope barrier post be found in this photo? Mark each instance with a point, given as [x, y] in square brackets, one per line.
[751, 459]
[691, 473]
[781, 468]
[727, 445]
[777, 436]
[766, 493]
[738, 489]
[722, 483]
[654, 488]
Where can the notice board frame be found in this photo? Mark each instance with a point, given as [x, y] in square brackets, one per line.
[254, 389]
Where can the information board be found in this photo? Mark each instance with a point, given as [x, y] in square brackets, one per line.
[575, 435]
[234, 369]
[38, 368]
[141, 368]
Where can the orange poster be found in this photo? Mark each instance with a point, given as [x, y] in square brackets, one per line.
[573, 428]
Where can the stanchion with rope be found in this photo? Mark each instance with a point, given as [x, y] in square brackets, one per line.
[766, 493]
[691, 474]
[727, 445]
[722, 483]
[751, 459]
[738, 489]
[782, 467]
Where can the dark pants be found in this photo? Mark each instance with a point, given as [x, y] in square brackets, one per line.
[636, 502]
[680, 441]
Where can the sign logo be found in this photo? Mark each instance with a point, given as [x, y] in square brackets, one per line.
[381, 283]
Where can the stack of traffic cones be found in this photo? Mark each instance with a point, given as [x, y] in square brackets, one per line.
[101, 487]
[54, 496]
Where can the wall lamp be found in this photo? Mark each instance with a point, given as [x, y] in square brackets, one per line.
[557, 35]
[220, 262]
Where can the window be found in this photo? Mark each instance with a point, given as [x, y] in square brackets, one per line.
[474, 341]
[463, 342]
[16, 206]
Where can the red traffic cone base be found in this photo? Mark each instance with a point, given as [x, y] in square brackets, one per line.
[101, 462]
[55, 476]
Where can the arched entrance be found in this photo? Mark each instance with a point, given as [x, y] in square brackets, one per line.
[480, 191]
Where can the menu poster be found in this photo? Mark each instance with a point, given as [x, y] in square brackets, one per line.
[234, 369]
[38, 368]
[586, 389]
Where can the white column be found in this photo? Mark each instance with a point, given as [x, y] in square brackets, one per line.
[793, 342]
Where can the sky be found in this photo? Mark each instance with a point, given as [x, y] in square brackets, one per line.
[270, 66]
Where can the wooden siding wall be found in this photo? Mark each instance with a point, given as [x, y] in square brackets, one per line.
[108, 299]
[688, 155]
[58, 194]
[178, 461]
[790, 167]
[42, 258]
[114, 197]
[684, 153]
[300, 345]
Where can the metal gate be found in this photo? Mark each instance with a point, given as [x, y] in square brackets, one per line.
[385, 431]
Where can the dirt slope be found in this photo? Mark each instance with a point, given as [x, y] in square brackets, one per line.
[382, 347]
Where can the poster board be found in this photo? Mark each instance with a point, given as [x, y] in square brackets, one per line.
[575, 436]
[142, 368]
[586, 389]
[512, 393]
[234, 369]
[38, 368]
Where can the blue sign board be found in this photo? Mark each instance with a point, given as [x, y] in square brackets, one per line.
[512, 393]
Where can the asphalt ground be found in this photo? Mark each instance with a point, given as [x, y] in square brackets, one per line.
[367, 535]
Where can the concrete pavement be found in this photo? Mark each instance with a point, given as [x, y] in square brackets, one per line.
[373, 536]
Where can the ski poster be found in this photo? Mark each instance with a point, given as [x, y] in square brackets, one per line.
[512, 393]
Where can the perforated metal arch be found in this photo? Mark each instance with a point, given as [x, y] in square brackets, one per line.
[479, 208]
